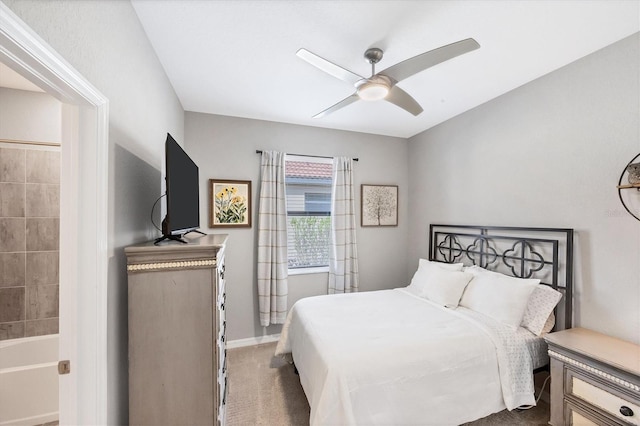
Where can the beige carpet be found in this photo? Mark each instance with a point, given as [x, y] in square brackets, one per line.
[264, 390]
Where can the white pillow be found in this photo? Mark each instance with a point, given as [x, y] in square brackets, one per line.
[499, 296]
[449, 266]
[445, 287]
[541, 303]
[420, 278]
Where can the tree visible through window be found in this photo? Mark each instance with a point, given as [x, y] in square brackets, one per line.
[308, 211]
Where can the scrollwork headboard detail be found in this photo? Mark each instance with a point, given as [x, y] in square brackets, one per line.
[543, 253]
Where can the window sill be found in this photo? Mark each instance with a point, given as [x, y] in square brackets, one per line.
[306, 271]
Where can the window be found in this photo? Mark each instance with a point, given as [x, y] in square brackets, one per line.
[308, 184]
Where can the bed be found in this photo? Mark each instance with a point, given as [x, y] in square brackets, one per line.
[398, 357]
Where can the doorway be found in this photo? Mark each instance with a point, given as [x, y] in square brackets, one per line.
[30, 122]
[83, 217]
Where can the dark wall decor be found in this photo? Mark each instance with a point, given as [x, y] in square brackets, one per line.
[632, 171]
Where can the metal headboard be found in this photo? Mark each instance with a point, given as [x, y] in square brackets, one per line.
[543, 253]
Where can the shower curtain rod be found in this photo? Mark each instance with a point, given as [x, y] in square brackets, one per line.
[29, 142]
[258, 151]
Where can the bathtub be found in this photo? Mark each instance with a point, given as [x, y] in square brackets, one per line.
[29, 380]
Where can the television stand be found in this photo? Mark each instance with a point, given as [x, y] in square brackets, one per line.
[176, 237]
[170, 237]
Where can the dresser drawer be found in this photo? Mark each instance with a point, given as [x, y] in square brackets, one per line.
[223, 332]
[603, 396]
[220, 273]
[578, 419]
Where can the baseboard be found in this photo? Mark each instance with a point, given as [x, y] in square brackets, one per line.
[251, 341]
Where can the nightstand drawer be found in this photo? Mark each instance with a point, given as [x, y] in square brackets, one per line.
[578, 419]
[581, 414]
[601, 396]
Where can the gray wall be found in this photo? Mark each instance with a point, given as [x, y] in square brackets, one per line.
[225, 148]
[105, 42]
[549, 153]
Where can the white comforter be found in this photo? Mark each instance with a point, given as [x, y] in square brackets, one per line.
[389, 357]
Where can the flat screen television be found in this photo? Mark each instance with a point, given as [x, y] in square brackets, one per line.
[182, 191]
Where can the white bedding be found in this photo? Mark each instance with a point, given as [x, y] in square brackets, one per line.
[537, 347]
[389, 357]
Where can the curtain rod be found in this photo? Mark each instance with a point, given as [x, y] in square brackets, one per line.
[258, 151]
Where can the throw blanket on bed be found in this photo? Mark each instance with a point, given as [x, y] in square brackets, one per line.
[389, 357]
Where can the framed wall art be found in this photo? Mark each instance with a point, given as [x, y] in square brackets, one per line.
[379, 205]
[229, 203]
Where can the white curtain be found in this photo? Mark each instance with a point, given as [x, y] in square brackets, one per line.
[272, 240]
[343, 253]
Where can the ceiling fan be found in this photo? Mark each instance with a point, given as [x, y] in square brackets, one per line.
[383, 84]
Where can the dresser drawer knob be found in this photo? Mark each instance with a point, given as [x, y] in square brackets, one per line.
[626, 411]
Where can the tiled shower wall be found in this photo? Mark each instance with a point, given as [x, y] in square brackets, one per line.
[29, 241]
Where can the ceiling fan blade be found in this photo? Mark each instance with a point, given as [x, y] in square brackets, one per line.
[329, 67]
[414, 65]
[399, 97]
[343, 103]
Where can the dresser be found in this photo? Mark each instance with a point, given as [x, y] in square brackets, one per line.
[177, 349]
[595, 379]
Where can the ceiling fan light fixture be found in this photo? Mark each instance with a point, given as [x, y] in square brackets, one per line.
[382, 85]
[373, 91]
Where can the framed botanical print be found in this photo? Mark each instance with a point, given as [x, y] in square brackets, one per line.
[229, 203]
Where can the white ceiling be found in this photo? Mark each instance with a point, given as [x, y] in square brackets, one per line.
[237, 58]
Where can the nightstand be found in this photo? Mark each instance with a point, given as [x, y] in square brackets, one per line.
[595, 379]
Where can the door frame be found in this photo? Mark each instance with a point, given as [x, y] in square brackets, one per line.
[83, 217]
